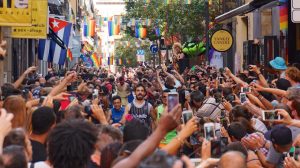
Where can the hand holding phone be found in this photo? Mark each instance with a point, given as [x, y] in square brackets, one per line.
[173, 100]
[271, 115]
[186, 116]
[209, 131]
[243, 97]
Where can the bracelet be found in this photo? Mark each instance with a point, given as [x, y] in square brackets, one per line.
[180, 140]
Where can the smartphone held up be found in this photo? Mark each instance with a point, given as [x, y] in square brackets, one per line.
[271, 115]
[173, 100]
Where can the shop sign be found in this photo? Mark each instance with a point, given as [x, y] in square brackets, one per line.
[15, 12]
[222, 40]
[39, 27]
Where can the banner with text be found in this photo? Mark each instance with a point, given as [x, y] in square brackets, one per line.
[39, 27]
[15, 12]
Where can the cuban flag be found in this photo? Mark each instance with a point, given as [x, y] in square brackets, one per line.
[49, 50]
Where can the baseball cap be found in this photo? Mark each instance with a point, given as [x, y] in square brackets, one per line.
[278, 63]
[281, 135]
[283, 84]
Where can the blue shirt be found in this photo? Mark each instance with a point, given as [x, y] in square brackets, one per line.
[116, 115]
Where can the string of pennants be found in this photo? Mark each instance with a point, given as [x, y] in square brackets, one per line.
[188, 2]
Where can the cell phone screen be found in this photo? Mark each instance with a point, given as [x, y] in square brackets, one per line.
[220, 80]
[271, 115]
[187, 115]
[173, 100]
[209, 131]
[243, 97]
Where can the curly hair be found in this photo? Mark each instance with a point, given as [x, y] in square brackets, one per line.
[71, 143]
[293, 73]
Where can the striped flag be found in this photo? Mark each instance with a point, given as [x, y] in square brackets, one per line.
[69, 55]
[188, 2]
[95, 60]
[49, 50]
[167, 2]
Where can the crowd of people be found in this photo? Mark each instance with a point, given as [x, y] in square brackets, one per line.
[147, 117]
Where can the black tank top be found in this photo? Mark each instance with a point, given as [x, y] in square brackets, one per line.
[143, 114]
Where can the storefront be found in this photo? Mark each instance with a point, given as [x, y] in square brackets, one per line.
[260, 31]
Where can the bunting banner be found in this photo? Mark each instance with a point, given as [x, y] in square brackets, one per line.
[114, 25]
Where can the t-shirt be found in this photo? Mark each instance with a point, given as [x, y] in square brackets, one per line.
[38, 151]
[170, 135]
[39, 165]
[277, 158]
[116, 115]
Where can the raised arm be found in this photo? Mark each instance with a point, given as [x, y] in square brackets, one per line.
[261, 77]
[59, 88]
[19, 81]
[178, 76]
[253, 109]
[278, 92]
[187, 130]
[236, 79]
[167, 123]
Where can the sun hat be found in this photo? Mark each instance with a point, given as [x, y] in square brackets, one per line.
[278, 63]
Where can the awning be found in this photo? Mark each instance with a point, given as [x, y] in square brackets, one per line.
[248, 7]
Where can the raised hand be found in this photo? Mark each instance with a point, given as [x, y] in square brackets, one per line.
[5, 122]
[170, 120]
[30, 69]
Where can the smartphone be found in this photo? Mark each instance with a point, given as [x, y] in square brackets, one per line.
[270, 115]
[245, 89]
[173, 100]
[42, 98]
[196, 161]
[95, 93]
[296, 153]
[186, 93]
[223, 119]
[186, 116]
[218, 147]
[221, 79]
[243, 97]
[71, 98]
[209, 131]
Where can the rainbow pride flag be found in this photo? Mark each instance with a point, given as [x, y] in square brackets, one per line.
[95, 60]
[91, 28]
[147, 1]
[69, 55]
[111, 60]
[168, 2]
[283, 10]
[188, 2]
[113, 28]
